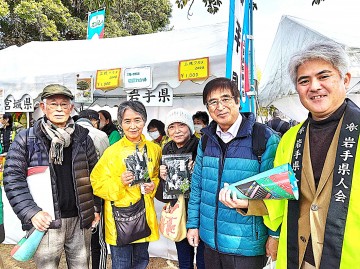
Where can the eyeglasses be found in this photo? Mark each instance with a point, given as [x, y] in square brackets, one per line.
[54, 105]
[226, 100]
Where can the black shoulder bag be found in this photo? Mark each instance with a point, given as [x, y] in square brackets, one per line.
[131, 224]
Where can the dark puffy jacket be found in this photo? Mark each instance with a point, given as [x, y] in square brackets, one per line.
[19, 158]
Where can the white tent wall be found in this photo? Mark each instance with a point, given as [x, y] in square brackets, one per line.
[293, 34]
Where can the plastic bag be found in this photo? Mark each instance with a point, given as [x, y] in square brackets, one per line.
[270, 264]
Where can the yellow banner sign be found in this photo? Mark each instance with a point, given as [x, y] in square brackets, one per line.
[195, 69]
[108, 79]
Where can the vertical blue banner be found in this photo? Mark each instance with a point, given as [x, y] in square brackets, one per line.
[96, 23]
[237, 62]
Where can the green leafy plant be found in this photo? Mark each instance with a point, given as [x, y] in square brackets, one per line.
[185, 185]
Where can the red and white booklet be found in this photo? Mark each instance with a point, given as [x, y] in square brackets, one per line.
[39, 182]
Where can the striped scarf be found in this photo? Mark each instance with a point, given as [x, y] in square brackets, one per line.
[59, 137]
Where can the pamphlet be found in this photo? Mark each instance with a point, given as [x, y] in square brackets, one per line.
[178, 175]
[276, 183]
[137, 164]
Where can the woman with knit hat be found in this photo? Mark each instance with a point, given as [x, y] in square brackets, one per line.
[179, 127]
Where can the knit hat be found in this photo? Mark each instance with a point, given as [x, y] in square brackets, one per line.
[179, 115]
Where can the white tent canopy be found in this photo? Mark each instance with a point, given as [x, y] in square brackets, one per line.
[27, 69]
[292, 35]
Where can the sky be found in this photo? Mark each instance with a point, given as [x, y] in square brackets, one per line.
[267, 18]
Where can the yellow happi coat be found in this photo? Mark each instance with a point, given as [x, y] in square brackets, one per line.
[278, 211]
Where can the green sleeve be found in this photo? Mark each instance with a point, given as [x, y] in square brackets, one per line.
[114, 137]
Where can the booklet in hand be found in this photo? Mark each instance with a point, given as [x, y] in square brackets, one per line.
[276, 183]
[178, 174]
[136, 162]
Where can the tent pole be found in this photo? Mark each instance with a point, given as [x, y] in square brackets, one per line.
[252, 92]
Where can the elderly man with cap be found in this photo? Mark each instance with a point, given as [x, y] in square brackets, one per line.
[55, 142]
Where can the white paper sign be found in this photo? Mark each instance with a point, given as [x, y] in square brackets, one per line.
[161, 96]
[138, 78]
[25, 104]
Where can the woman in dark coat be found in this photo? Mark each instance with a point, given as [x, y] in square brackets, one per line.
[107, 126]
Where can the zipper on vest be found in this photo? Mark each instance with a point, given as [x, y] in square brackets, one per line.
[221, 163]
[221, 168]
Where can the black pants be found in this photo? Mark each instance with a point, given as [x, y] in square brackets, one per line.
[217, 260]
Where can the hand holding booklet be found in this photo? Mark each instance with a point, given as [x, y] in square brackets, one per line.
[276, 183]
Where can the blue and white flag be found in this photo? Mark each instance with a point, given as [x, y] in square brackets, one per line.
[96, 23]
[237, 56]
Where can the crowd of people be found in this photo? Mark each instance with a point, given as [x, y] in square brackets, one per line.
[92, 179]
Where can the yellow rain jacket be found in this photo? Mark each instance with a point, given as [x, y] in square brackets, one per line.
[106, 182]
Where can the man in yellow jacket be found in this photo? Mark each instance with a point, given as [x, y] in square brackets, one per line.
[321, 230]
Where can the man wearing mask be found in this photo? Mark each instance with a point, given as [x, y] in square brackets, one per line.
[90, 120]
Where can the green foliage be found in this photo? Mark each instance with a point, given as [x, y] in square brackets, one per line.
[34, 20]
[141, 16]
[212, 6]
[4, 8]
[30, 20]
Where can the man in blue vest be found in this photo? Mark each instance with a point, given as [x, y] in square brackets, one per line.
[234, 237]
